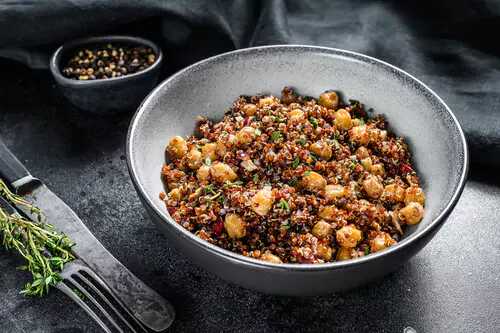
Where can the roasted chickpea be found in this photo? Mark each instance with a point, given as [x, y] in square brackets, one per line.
[324, 251]
[348, 236]
[329, 99]
[412, 213]
[245, 136]
[373, 187]
[177, 147]
[362, 153]
[359, 134]
[175, 194]
[235, 226]
[322, 149]
[249, 109]
[328, 213]
[194, 159]
[381, 241]
[209, 151]
[296, 116]
[266, 101]
[394, 193]
[333, 192]
[377, 169]
[343, 119]
[203, 173]
[268, 256]
[414, 194]
[313, 181]
[221, 172]
[344, 253]
[262, 201]
[322, 229]
[367, 163]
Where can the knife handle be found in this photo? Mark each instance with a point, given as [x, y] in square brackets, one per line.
[13, 172]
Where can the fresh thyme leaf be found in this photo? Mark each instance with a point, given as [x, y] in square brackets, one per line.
[302, 141]
[295, 163]
[45, 250]
[255, 178]
[283, 204]
[209, 189]
[276, 136]
[367, 251]
[313, 121]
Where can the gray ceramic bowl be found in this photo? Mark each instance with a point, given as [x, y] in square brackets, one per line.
[209, 87]
[106, 96]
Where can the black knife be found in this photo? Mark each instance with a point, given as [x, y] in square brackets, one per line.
[146, 304]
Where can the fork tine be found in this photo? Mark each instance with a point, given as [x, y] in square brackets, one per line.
[103, 285]
[106, 300]
[71, 294]
[95, 302]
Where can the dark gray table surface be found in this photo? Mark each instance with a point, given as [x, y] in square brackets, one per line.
[453, 285]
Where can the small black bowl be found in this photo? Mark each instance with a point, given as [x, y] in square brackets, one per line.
[106, 96]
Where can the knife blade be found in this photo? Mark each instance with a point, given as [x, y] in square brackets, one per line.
[146, 304]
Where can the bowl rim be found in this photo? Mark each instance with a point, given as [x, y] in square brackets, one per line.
[243, 260]
[56, 57]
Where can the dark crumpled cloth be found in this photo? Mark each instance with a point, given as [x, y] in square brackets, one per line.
[451, 45]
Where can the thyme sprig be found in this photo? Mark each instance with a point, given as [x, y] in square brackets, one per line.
[43, 248]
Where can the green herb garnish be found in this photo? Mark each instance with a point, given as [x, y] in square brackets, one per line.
[293, 182]
[283, 204]
[44, 249]
[255, 178]
[313, 121]
[209, 189]
[208, 161]
[258, 132]
[367, 251]
[295, 163]
[307, 173]
[276, 136]
[302, 141]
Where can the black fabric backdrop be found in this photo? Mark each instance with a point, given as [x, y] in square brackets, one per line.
[452, 45]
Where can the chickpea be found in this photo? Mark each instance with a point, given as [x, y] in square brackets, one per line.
[329, 99]
[328, 213]
[249, 109]
[378, 169]
[209, 151]
[313, 181]
[373, 187]
[343, 119]
[221, 149]
[296, 116]
[362, 153]
[348, 236]
[366, 163]
[175, 194]
[268, 256]
[262, 201]
[194, 159]
[412, 213]
[359, 134]
[333, 192]
[235, 226]
[394, 193]
[322, 229]
[245, 136]
[177, 147]
[322, 149]
[203, 173]
[324, 251]
[381, 241]
[222, 172]
[414, 194]
[266, 101]
[344, 253]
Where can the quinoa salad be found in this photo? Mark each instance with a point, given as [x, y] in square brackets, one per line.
[293, 179]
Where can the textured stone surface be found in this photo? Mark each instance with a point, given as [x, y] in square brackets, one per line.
[453, 285]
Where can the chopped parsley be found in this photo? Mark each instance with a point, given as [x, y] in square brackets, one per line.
[307, 173]
[285, 225]
[283, 204]
[367, 251]
[293, 182]
[209, 189]
[295, 163]
[302, 141]
[314, 122]
[255, 178]
[276, 136]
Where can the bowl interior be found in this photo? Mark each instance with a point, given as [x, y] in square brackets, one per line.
[209, 87]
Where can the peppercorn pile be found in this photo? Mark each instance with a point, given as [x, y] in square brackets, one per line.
[294, 180]
[108, 61]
